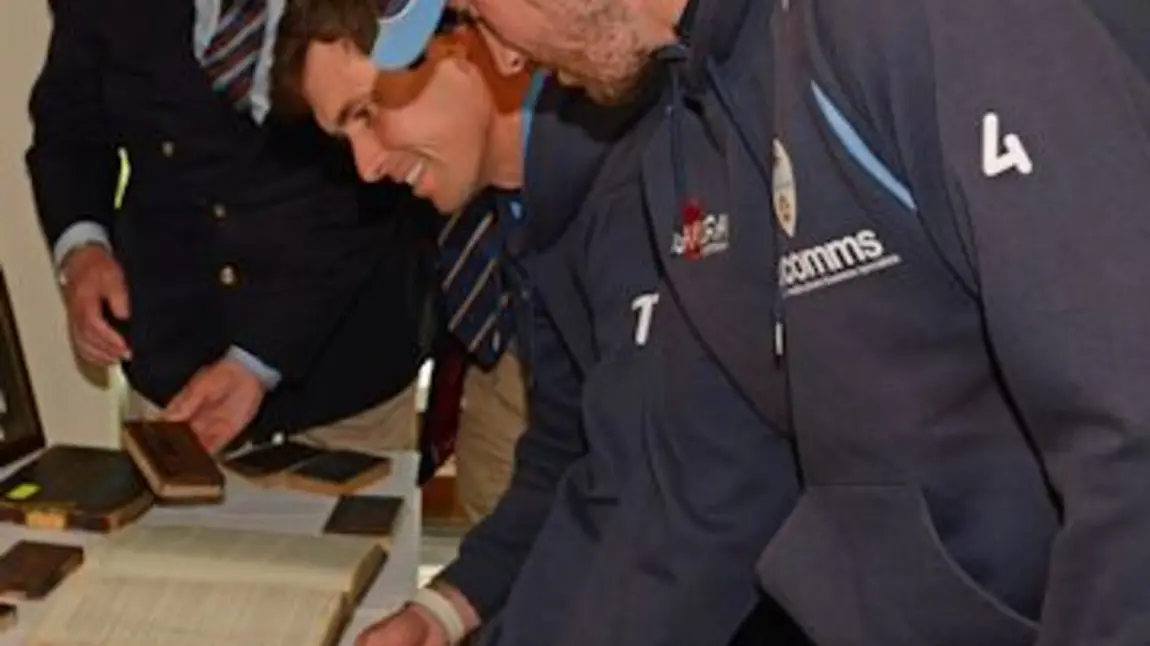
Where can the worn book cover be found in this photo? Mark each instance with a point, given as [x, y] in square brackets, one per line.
[32, 569]
[337, 473]
[263, 463]
[374, 516]
[177, 467]
[75, 487]
[153, 585]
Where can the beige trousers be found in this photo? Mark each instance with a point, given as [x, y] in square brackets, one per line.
[389, 426]
[493, 417]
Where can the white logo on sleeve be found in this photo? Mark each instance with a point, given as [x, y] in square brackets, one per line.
[996, 158]
[644, 305]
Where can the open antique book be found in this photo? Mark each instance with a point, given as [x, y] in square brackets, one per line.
[190, 586]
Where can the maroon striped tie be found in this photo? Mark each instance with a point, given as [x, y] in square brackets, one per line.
[232, 54]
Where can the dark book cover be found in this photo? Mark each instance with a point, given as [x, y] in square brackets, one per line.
[31, 569]
[375, 516]
[75, 487]
[271, 459]
[338, 473]
[173, 461]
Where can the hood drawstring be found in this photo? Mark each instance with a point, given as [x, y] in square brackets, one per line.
[676, 56]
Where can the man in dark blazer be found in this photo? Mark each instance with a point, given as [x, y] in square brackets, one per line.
[248, 282]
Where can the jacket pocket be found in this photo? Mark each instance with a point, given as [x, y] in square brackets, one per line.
[864, 565]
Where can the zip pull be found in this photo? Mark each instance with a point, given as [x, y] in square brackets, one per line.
[780, 348]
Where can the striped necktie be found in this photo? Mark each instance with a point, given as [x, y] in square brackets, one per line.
[231, 56]
[476, 290]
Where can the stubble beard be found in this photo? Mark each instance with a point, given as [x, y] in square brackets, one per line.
[610, 61]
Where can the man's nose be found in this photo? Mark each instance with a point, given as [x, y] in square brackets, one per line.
[369, 157]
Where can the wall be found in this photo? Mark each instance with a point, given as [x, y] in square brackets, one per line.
[75, 407]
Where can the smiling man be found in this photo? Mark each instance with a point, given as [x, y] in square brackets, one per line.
[635, 511]
[451, 129]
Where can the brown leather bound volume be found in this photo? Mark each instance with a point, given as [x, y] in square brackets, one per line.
[374, 516]
[263, 464]
[31, 569]
[336, 473]
[75, 487]
[177, 467]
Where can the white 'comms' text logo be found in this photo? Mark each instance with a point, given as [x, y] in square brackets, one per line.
[830, 263]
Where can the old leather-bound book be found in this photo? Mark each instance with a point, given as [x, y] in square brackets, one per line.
[336, 473]
[31, 569]
[177, 467]
[373, 516]
[303, 467]
[263, 464]
[75, 487]
[151, 586]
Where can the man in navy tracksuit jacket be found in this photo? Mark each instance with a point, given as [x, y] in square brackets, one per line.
[938, 226]
[962, 286]
[645, 485]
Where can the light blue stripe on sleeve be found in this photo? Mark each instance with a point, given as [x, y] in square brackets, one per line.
[858, 149]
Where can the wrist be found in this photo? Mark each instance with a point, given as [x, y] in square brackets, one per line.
[459, 602]
[444, 608]
[76, 258]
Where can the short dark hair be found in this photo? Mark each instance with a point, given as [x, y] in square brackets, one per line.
[309, 21]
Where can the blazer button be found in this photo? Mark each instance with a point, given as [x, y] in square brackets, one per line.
[168, 149]
[219, 211]
[228, 276]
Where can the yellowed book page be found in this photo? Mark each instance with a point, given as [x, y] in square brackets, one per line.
[97, 610]
[214, 554]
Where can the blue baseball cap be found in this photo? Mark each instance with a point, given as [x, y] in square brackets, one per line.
[405, 28]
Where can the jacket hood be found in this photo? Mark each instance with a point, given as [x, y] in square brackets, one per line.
[569, 139]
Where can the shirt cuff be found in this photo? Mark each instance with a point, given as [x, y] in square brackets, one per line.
[82, 233]
[268, 376]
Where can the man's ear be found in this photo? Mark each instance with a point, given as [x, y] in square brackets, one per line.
[508, 61]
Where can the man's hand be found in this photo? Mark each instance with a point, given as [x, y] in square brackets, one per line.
[218, 401]
[415, 626]
[91, 278]
[412, 626]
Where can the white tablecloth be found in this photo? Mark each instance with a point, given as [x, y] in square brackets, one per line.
[250, 507]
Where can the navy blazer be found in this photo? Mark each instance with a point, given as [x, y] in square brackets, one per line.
[230, 233]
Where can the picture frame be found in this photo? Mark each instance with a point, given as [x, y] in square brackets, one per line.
[21, 430]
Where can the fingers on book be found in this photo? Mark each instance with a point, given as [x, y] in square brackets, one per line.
[176, 465]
